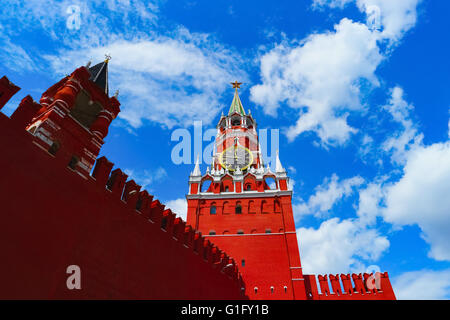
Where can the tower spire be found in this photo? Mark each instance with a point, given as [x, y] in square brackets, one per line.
[99, 74]
[236, 104]
[278, 167]
[196, 171]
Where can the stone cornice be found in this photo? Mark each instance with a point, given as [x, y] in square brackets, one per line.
[240, 195]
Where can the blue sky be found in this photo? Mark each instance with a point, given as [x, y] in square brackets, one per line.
[357, 88]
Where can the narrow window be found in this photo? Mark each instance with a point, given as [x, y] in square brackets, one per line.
[205, 185]
[164, 223]
[243, 263]
[212, 209]
[249, 187]
[139, 204]
[268, 231]
[240, 231]
[73, 163]
[212, 233]
[238, 209]
[227, 189]
[236, 121]
[53, 148]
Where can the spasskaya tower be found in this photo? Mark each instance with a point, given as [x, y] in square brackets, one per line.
[245, 208]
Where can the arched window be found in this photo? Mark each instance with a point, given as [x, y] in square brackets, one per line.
[73, 163]
[139, 204]
[206, 184]
[277, 206]
[54, 148]
[251, 207]
[270, 183]
[223, 123]
[213, 209]
[227, 208]
[238, 208]
[236, 121]
[249, 183]
[227, 185]
[266, 207]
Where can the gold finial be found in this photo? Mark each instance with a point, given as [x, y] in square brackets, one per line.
[236, 85]
[107, 58]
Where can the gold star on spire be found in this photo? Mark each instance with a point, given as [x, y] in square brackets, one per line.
[107, 58]
[236, 85]
[236, 105]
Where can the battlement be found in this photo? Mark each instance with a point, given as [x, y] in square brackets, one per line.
[89, 206]
[349, 287]
[142, 203]
[7, 90]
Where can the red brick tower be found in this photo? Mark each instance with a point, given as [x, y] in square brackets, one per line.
[236, 207]
[74, 116]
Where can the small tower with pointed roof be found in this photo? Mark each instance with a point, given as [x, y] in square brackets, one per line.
[75, 115]
[246, 208]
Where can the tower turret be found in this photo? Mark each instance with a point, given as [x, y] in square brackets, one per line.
[75, 115]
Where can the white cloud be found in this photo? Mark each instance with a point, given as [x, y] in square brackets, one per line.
[408, 137]
[96, 19]
[422, 285]
[449, 128]
[396, 17]
[292, 170]
[178, 206]
[13, 56]
[327, 195]
[318, 4]
[323, 75]
[421, 197]
[170, 78]
[339, 246]
[322, 78]
[369, 203]
[146, 178]
[170, 81]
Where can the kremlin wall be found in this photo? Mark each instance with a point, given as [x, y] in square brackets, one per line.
[63, 206]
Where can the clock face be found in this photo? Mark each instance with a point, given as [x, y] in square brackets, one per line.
[236, 157]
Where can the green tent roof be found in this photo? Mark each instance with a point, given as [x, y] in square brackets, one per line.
[236, 105]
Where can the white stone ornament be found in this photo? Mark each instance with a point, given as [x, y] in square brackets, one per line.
[196, 171]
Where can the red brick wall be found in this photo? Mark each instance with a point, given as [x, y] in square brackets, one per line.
[53, 217]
